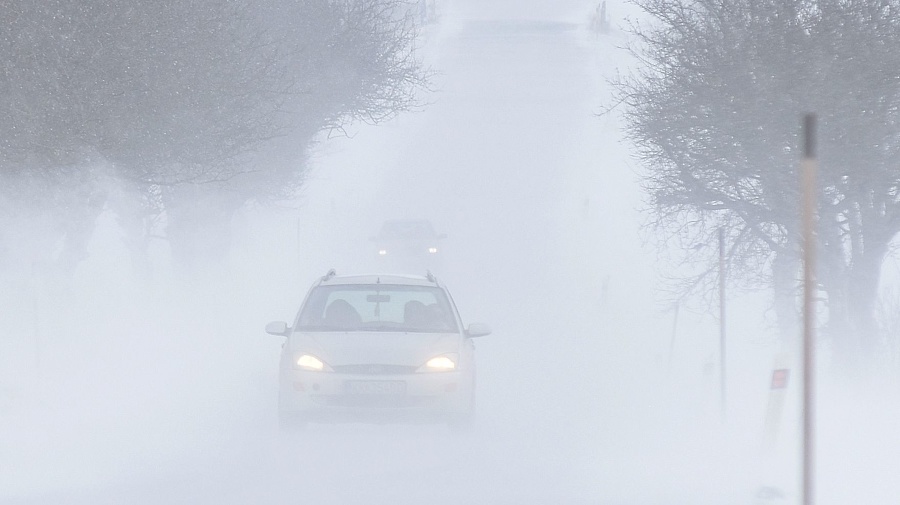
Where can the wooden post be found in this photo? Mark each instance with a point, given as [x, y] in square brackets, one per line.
[808, 190]
[722, 375]
[672, 341]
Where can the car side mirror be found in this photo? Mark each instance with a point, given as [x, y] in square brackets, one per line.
[478, 330]
[279, 328]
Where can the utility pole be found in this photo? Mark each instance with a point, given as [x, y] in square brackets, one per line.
[299, 265]
[722, 321]
[35, 314]
[672, 341]
[808, 190]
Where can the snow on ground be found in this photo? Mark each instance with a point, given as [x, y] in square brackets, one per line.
[588, 393]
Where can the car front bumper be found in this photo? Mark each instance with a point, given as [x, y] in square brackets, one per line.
[337, 397]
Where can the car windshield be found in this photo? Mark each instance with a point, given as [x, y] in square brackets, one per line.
[377, 307]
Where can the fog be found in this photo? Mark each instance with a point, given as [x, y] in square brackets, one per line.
[591, 388]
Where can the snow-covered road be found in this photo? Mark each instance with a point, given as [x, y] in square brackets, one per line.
[538, 202]
[579, 398]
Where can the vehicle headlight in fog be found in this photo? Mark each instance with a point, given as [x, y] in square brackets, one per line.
[382, 252]
[442, 363]
[432, 250]
[311, 363]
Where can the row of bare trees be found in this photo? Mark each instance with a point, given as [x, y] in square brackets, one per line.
[715, 113]
[179, 112]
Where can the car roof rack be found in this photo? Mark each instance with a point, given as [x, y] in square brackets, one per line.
[331, 273]
[430, 276]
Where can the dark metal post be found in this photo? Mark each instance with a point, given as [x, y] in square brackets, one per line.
[808, 169]
[722, 320]
[299, 252]
[35, 314]
[672, 341]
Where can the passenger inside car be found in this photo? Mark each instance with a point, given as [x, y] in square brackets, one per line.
[437, 317]
[414, 315]
[341, 314]
[417, 315]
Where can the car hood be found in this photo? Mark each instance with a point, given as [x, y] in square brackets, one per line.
[385, 348]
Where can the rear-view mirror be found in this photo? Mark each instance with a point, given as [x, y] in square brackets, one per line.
[279, 328]
[478, 330]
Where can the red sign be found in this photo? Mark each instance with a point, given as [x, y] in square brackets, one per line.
[780, 378]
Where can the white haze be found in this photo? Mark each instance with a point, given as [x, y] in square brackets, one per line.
[115, 393]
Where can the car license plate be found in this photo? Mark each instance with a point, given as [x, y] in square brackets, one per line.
[374, 387]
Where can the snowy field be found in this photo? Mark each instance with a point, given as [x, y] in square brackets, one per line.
[588, 392]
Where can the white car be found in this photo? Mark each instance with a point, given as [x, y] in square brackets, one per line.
[377, 348]
[409, 244]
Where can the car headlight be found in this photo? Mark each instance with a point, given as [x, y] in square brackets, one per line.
[442, 363]
[382, 252]
[432, 250]
[310, 363]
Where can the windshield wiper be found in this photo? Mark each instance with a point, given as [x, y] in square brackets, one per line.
[324, 327]
[377, 327]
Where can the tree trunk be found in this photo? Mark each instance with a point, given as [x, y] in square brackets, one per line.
[785, 275]
[852, 294]
[862, 286]
[198, 226]
[135, 212]
[832, 275]
[77, 221]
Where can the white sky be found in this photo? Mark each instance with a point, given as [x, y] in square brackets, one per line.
[585, 396]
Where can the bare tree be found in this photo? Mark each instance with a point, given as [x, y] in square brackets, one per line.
[187, 108]
[347, 60]
[149, 86]
[715, 112]
[156, 93]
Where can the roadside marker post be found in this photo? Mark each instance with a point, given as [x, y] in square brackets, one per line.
[722, 369]
[775, 470]
[778, 389]
[780, 381]
[808, 197]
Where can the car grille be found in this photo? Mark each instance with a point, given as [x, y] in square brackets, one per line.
[373, 402]
[374, 369]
